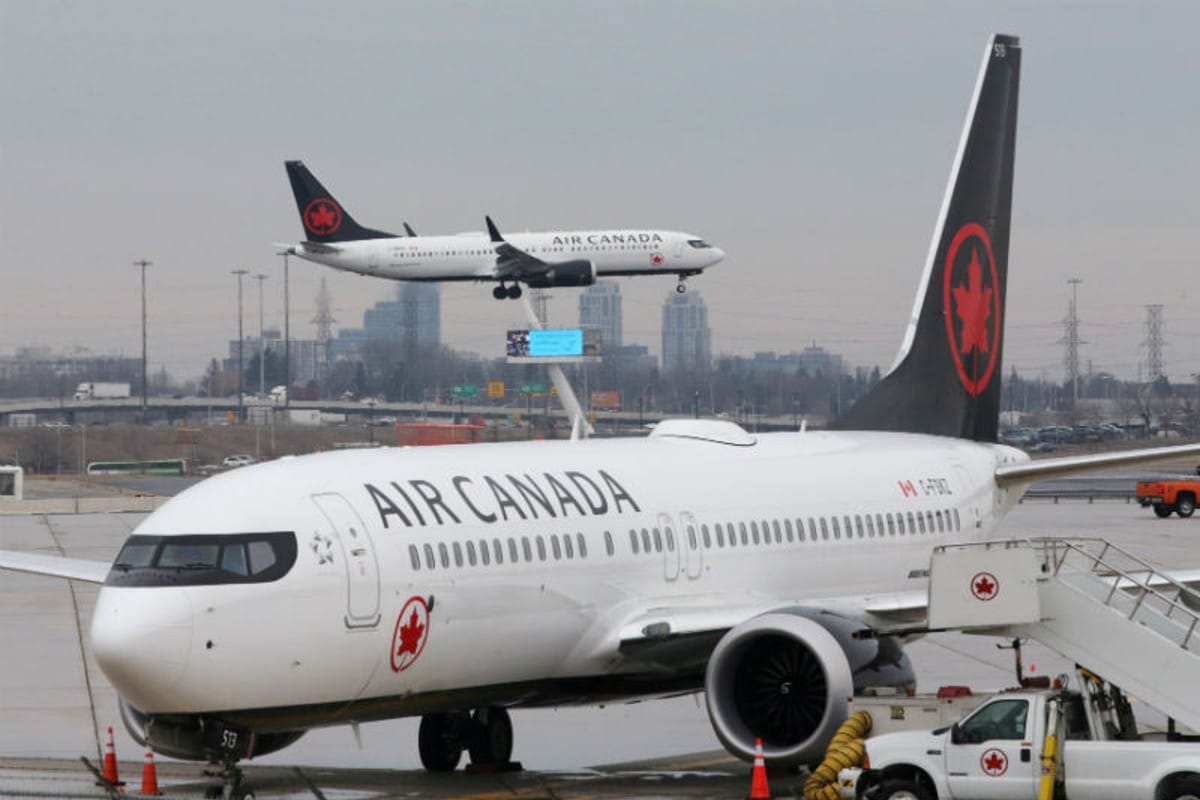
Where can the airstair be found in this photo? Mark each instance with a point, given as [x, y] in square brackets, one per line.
[1087, 599]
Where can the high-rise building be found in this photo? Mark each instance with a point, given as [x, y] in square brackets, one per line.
[415, 315]
[600, 308]
[686, 338]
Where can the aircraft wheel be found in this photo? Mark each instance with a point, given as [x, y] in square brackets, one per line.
[1162, 511]
[1186, 787]
[499, 292]
[681, 287]
[492, 739]
[439, 743]
[514, 292]
[1184, 506]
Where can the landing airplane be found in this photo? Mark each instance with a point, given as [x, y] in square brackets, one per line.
[538, 260]
[456, 583]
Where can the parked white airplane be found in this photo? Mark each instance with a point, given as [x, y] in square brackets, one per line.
[454, 583]
[539, 260]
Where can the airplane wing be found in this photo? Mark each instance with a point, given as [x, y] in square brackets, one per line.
[1075, 465]
[44, 564]
[513, 263]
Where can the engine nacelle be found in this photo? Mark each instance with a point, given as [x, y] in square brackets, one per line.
[580, 272]
[785, 677]
[199, 738]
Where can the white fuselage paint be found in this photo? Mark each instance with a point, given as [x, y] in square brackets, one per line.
[472, 256]
[293, 643]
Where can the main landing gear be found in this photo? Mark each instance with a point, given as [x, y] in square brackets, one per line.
[486, 734]
[681, 287]
[231, 787]
[501, 292]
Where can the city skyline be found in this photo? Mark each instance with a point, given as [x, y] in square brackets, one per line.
[811, 142]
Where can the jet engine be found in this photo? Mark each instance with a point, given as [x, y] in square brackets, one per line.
[785, 677]
[198, 738]
[580, 272]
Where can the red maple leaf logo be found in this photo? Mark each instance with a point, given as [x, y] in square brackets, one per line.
[984, 586]
[322, 217]
[994, 763]
[410, 635]
[973, 307]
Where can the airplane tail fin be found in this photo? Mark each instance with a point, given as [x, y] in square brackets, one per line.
[324, 219]
[946, 379]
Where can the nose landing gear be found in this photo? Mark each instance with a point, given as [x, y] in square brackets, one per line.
[231, 787]
[486, 734]
[681, 287]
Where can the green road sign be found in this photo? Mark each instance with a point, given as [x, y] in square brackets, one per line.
[464, 390]
[534, 388]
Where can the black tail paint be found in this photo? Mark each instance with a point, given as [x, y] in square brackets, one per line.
[323, 217]
[946, 380]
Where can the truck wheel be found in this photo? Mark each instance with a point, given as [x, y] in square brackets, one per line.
[1162, 511]
[1185, 787]
[903, 790]
[1185, 505]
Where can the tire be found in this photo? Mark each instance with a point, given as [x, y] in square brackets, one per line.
[499, 292]
[438, 743]
[903, 790]
[514, 292]
[1162, 511]
[1185, 504]
[1185, 787]
[492, 737]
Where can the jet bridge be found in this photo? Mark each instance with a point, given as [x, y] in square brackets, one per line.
[1089, 600]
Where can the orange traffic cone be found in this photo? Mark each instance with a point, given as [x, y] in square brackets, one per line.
[149, 775]
[109, 773]
[758, 776]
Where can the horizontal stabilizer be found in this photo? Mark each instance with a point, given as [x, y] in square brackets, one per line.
[43, 564]
[318, 247]
[1076, 465]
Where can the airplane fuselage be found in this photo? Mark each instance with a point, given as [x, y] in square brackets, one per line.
[472, 256]
[392, 609]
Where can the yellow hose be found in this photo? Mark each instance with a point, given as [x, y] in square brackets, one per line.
[1049, 770]
[845, 750]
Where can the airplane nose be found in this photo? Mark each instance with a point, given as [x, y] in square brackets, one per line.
[718, 255]
[141, 642]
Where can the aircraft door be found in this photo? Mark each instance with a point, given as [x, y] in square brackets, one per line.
[671, 546]
[677, 251]
[689, 540]
[358, 555]
[968, 503]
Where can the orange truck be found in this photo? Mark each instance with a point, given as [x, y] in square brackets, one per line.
[1165, 495]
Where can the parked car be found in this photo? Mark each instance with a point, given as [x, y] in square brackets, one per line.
[237, 460]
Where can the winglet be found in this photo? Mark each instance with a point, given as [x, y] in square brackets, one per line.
[493, 231]
[408, 229]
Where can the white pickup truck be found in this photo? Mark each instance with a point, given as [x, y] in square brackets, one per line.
[997, 752]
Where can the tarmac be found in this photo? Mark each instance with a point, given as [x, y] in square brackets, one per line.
[55, 704]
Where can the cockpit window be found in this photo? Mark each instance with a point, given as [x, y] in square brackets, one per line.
[699, 244]
[199, 559]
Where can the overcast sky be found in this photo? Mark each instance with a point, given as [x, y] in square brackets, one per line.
[811, 141]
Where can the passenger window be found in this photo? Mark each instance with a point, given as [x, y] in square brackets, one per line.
[858, 525]
[443, 555]
[458, 559]
[568, 548]
[891, 524]
[414, 556]
[812, 529]
[582, 544]
[692, 543]
[554, 547]
[837, 533]
[484, 556]
[704, 534]
[778, 534]
[754, 531]
[929, 520]
[870, 527]
[512, 551]
[921, 523]
[941, 525]
[912, 523]
[879, 524]
[645, 541]
[957, 522]
[657, 540]
[470, 552]
[633, 542]
[429, 562]
[541, 548]
[745, 536]
[824, 529]
[787, 524]
[608, 545]
[526, 548]
[846, 526]
[670, 537]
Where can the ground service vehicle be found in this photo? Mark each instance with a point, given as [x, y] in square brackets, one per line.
[90, 390]
[1165, 495]
[1033, 744]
